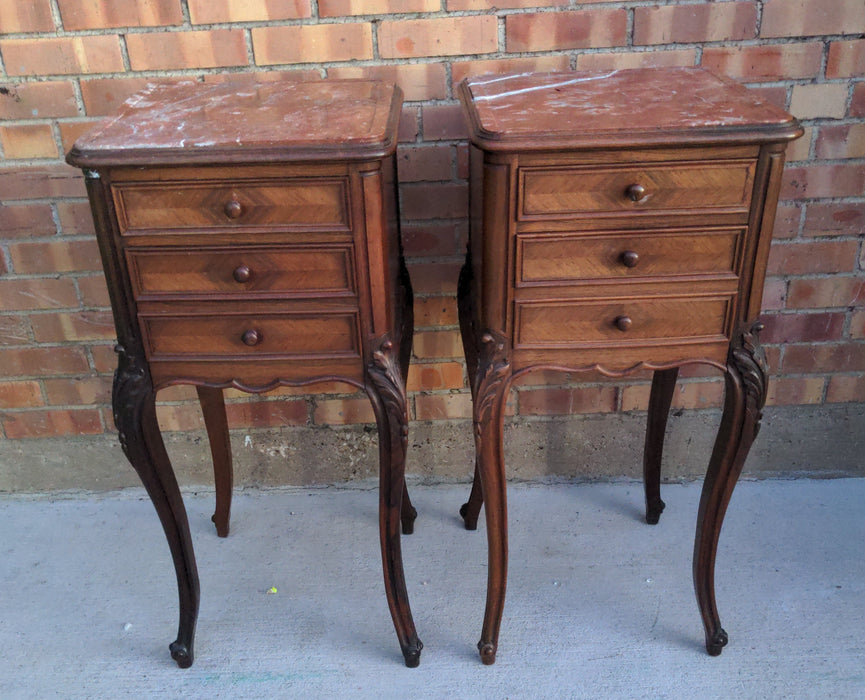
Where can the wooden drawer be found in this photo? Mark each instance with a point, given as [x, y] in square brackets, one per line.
[178, 206]
[629, 188]
[563, 258]
[234, 334]
[618, 322]
[283, 271]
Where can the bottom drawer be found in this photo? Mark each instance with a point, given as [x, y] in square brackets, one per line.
[321, 334]
[552, 324]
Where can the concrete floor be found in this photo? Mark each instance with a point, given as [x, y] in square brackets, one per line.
[600, 605]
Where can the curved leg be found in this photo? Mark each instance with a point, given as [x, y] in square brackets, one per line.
[663, 385]
[492, 382]
[213, 410]
[470, 510]
[744, 399]
[134, 406]
[406, 336]
[387, 394]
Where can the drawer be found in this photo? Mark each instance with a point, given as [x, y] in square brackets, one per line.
[238, 335]
[561, 258]
[566, 191]
[175, 206]
[283, 271]
[619, 322]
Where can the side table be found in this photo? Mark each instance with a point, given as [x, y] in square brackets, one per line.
[620, 221]
[250, 239]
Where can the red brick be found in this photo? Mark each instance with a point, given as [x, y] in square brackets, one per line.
[845, 389]
[846, 59]
[434, 278]
[343, 412]
[857, 324]
[787, 221]
[418, 81]
[812, 257]
[408, 125]
[461, 5]
[62, 55]
[435, 376]
[636, 59]
[774, 294]
[549, 31]
[812, 181]
[179, 418]
[819, 101]
[267, 414]
[312, 43]
[698, 395]
[795, 391]
[834, 219]
[528, 64]
[80, 391]
[443, 122]
[217, 11]
[802, 328]
[56, 256]
[28, 141]
[547, 402]
[79, 325]
[771, 62]
[14, 330]
[41, 181]
[425, 163]
[42, 362]
[75, 218]
[841, 141]
[857, 101]
[434, 239]
[33, 424]
[800, 149]
[824, 357]
[344, 8]
[443, 407]
[37, 100]
[435, 201]
[25, 294]
[463, 161]
[71, 130]
[688, 24]
[826, 292]
[94, 292]
[30, 16]
[104, 357]
[104, 96]
[198, 49]
[773, 95]
[437, 345]
[812, 17]
[106, 14]
[26, 220]
[24, 394]
[435, 311]
[445, 36]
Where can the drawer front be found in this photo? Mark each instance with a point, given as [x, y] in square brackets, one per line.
[565, 191]
[619, 322]
[295, 271]
[561, 258]
[238, 335]
[320, 203]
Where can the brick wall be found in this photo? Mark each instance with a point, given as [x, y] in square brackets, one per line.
[66, 63]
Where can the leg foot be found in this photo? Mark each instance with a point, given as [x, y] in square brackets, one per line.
[471, 523]
[471, 510]
[488, 652]
[653, 512]
[181, 654]
[716, 642]
[411, 653]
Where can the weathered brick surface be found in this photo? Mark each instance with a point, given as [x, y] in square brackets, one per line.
[198, 49]
[104, 14]
[768, 62]
[30, 16]
[549, 31]
[62, 55]
[446, 36]
[846, 59]
[217, 11]
[28, 141]
[340, 8]
[42, 100]
[812, 17]
[636, 59]
[312, 43]
[418, 81]
[827, 101]
[679, 24]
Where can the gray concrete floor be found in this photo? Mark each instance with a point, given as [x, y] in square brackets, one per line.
[600, 605]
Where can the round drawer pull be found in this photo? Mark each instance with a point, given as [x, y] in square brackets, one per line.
[233, 209]
[630, 258]
[623, 323]
[635, 192]
[242, 274]
[251, 337]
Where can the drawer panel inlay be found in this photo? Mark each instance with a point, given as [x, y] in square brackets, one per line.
[299, 270]
[562, 191]
[573, 323]
[556, 258]
[178, 206]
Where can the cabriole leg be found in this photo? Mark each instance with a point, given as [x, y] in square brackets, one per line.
[663, 385]
[216, 423]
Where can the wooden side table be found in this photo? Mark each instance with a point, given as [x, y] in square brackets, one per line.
[250, 238]
[620, 221]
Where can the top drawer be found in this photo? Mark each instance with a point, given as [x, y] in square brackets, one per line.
[175, 206]
[565, 191]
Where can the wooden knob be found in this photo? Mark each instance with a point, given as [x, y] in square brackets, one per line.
[623, 323]
[242, 274]
[251, 337]
[233, 209]
[635, 192]
[630, 258]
